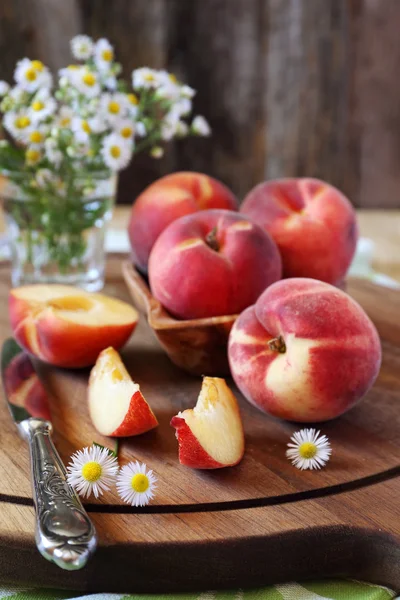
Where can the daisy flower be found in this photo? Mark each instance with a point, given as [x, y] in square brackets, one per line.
[31, 75]
[42, 106]
[4, 87]
[116, 152]
[182, 129]
[110, 82]
[44, 177]
[136, 484]
[92, 470]
[64, 117]
[53, 153]
[169, 126]
[18, 95]
[85, 81]
[200, 126]
[81, 47]
[37, 135]
[103, 54]
[81, 129]
[113, 106]
[308, 449]
[33, 155]
[145, 78]
[17, 124]
[125, 128]
[187, 91]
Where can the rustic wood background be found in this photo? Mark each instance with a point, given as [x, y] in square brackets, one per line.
[291, 87]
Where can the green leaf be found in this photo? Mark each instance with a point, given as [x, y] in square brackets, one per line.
[113, 453]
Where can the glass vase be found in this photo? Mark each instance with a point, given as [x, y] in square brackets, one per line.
[56, 231]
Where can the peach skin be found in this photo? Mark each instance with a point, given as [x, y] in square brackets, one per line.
[116, 405]
[305, 351]
[66, 326]
[166, 200]
[212, 263]
[313, 224]
[210, 435]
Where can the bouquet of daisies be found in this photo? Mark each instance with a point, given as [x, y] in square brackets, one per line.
[92, 120]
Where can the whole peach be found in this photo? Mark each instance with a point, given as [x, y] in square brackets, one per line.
[305, 351]
[212, 263]
[166, 200]
[312, 222]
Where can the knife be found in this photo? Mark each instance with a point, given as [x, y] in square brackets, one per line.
[64, 533]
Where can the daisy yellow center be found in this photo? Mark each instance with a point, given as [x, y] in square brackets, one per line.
[133, 99]
[32, 155]
[37, 65]
[140, 483]
[173, 78]
[113, 107]
[115, 151]
[107, 55]
[308, 450]
[149, 77]
[65, 122]
[89, 79]
[92, 471]
[30, 75]
[22, 122]
[38, 105]
[126, 132]
[36, 137]
[86, 127]
[72, 67]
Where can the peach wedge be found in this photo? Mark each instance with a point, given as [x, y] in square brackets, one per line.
[116, 405]
[210, 435]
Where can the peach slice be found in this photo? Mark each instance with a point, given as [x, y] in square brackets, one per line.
[210, 435]
[66, 326]
[116, 405]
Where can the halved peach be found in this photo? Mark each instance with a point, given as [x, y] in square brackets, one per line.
[66, 326]
[210, 435]
[116, 405]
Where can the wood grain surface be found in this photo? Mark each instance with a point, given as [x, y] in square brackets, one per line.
[260, 522]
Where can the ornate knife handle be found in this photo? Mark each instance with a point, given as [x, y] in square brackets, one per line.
[64, 533]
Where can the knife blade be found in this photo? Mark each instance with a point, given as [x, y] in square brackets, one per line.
[64, 533]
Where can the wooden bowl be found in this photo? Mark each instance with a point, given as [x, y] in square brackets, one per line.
[198, 346]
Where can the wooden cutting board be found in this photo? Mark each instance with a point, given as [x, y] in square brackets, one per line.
[258, 523]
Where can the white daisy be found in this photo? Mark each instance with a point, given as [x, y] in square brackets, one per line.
[182, 129]
[200, 126]
[4, 88]
[64, 117]
[31, 75]
[140, 129]
[18, 95]
[85, 81]
[187, 91]
[136, 484]
[81, 129]
[168, 86]
[42, 106]
[110, 82]
[81, 47]
[103, 54]
[37, 134]
[182, 107]
[53, 153]
[308, 449]
[169, 127]
[33, 155]
[126, 128]
[157, 152]
[92, 470]
[114, 106]
[145, 78]
[116, 152]
[18, 124]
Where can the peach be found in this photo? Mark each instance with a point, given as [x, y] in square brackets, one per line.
[66, 326]
[313, 224]
[166, 200]
[305, 351]
[212, 263]
[24, 388]
[210, 435]
[116, 405]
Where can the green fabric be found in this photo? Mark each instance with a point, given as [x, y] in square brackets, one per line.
[324, 590]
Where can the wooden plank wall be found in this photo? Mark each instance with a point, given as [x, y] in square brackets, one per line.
[291, 87]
